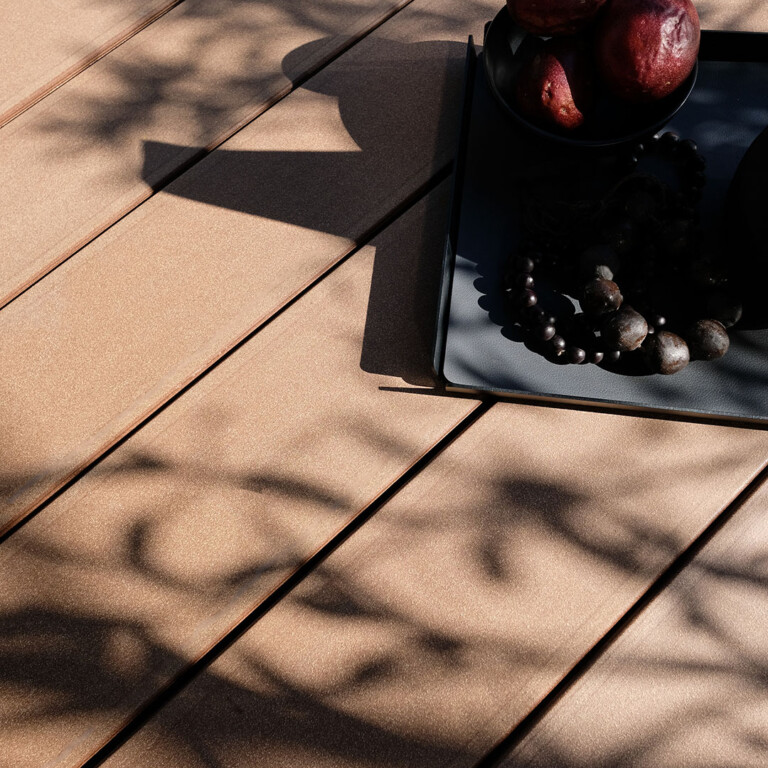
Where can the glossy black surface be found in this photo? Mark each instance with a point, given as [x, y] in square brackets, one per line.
[480, 350]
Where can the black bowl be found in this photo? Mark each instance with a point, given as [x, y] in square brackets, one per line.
[613, 122]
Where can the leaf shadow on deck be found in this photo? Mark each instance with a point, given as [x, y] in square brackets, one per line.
[684, 684]
[374, 658]
[349, 668]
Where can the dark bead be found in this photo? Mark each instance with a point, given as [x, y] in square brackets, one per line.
[666, 353]
[600, 296]
[524, 280]
[624, 330]
[707, 340]
[527, 298]
[525, 264]
[638, 149]
[612, 356]
[546, 332]
[576, 355]
[596, 357]
[658, 321]
[558, 344]
[668, 140]
[689, 145]
[725, 308]
[537, 315]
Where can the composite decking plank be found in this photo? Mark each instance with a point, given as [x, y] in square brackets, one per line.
[95, 149]
[91, 351]
[44, 44]
[426, 636]
[739, 15]
[117, 586]
[684, 684]
[138, 569]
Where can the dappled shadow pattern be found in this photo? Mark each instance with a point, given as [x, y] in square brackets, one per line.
[395, 652]
[685, 683]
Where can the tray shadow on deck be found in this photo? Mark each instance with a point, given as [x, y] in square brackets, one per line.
[383, 123]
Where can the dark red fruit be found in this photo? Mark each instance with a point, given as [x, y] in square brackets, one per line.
[554, 85]
[553, 17]
[646, 48]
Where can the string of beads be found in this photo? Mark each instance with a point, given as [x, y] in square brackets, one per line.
[647, 283]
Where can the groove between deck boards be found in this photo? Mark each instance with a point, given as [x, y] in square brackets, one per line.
[9, 112]
[97, 148]
[87, 314]
[42, 41]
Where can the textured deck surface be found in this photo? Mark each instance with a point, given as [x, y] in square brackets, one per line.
[240, 524]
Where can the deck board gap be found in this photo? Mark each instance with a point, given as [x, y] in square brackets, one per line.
[197, 667]
[385, 221]
[78, 68]
[500, 751]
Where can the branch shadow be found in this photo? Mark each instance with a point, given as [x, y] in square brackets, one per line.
[313, 687]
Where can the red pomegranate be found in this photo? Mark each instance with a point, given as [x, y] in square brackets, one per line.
[555, 84]
[645, 49]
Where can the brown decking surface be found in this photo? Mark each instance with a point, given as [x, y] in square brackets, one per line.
[240, 525]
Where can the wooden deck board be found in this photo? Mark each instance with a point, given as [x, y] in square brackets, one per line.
[133, 573]
[168, 290]
[45, 44]
[184, 529]
[94, 150]
[440, 623]
[684, 685]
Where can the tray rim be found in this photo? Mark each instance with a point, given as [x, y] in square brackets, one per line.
[716, 45]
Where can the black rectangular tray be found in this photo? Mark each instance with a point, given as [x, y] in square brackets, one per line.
[475, 351]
